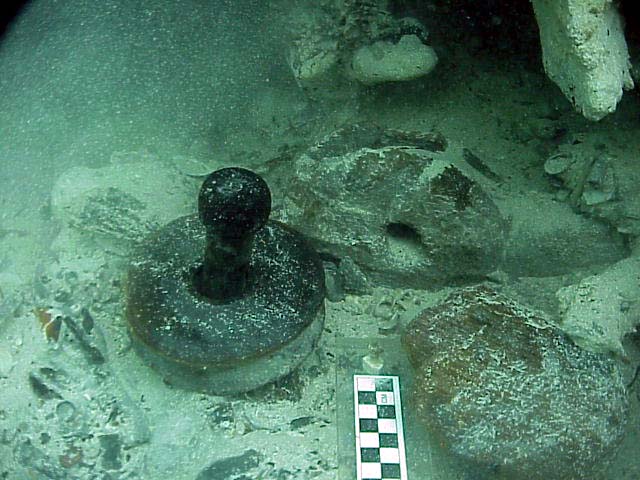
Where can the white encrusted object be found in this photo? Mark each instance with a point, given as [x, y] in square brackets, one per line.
[124, 200]
[373, 363]
[599, 311]
[584, 52]
[386, 61]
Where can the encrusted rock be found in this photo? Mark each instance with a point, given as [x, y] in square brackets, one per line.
[602, 309]
[584, 52]
[386, 61]
[336, 41]
[122, 201]
[398, 203]
[547, 238]
[502, 388]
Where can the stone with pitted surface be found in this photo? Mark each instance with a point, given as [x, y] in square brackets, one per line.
[505, 390]
[400, 204]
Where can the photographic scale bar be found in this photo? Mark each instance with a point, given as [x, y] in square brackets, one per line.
[380, 452]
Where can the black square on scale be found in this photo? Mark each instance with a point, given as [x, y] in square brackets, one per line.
[368, 424]
[390, 470]
[386, 411]
[370, 454]
[384, 385]
[388, 440]
[366, 398]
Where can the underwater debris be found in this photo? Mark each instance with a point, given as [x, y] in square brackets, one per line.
[72, 457]
[49, 321]
[41, 382]
[373, 363]
[478, 164]
[87, 320]
[92, 352]
[233, 467]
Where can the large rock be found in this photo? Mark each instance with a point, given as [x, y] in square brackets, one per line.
[123, 201]
[399, 204]
[333, 43]
[502, 388]
[386, 61]
[548, 238]
[584, 52]
[602, 309]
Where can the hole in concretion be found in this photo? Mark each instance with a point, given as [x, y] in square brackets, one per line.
[402, 231]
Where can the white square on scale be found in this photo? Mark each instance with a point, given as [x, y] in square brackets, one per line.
[387, 425]
[369, 440]
[367, 411]
[389, 455]
[366, 384]
[371, 470]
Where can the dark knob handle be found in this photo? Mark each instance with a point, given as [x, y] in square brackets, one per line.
[233, 204]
